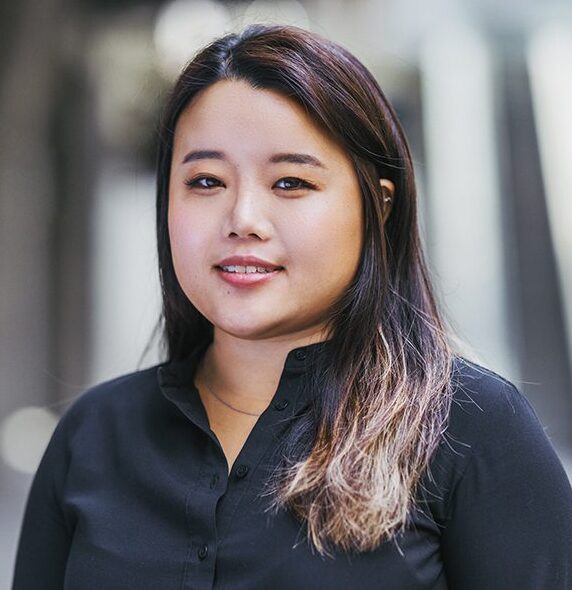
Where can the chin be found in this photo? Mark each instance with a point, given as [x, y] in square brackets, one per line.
[250, 330]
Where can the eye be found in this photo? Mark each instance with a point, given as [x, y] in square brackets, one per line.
[203, 182]
[291, 183]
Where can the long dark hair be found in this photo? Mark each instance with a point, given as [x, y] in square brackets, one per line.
[380, 411]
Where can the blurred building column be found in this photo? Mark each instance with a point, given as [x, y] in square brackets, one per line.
[44, 192]
[550, 70]
[28, 205]
[27, 212]
[546, 376]
[466, 231]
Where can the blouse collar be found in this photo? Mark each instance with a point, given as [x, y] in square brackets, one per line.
[177, 385]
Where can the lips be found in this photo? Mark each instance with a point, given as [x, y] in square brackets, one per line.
[244, 261]
[247, 271]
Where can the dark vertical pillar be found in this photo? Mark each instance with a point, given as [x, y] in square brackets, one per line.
[544, 362]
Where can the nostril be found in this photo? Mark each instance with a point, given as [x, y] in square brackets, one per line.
[247, 237]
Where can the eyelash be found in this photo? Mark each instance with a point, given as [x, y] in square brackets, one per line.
[193, 183]
[303, 183]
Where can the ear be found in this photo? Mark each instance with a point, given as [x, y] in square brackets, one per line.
[388, 193]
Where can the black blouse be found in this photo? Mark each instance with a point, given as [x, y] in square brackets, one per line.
[133, 493]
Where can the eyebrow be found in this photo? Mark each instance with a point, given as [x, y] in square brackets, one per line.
[304, 159]
[203, 155]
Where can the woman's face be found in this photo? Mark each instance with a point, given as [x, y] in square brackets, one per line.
[252, 176]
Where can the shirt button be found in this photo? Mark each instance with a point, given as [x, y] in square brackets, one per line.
[300, 355]
[203, 552]
[281, 405]
[241, 471]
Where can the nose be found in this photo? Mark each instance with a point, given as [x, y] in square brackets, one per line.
[247, 214]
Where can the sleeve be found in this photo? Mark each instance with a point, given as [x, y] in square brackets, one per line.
[45, 535]
[509, 523]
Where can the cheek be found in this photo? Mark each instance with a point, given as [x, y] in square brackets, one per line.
[187, 240]
[329, 238]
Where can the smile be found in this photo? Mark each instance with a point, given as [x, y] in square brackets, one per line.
[246, 269]
[246, 276]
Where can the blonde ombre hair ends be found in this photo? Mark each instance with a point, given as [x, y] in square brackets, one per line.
[357, 486]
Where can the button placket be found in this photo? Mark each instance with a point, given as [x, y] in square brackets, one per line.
[259, 444]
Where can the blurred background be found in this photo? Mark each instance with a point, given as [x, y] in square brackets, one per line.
[484, 91]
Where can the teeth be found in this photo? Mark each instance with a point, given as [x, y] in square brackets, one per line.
[246, 269]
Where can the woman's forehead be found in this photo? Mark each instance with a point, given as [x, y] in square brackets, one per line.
[232, 116]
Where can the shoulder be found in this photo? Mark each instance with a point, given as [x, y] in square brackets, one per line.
[118, 391]
[97, 419]
[491, 420]
[500, 493]
[487, 408]
[493, 441]
[128, 395]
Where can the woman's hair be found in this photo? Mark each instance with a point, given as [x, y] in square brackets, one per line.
[355, 462]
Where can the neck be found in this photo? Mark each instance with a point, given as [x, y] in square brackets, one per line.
[249, 370]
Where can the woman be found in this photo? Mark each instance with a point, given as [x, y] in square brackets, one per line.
[312, 427]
